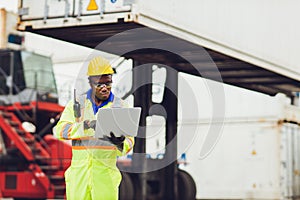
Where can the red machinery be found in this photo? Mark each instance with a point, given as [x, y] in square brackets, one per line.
[32, 165]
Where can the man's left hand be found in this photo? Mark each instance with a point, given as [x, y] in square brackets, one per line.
[118, 141]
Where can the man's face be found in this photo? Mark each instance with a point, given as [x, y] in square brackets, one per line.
[101, 86]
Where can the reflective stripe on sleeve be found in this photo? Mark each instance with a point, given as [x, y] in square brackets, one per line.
[65, 132]
[130, 142]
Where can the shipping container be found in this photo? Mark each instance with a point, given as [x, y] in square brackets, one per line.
[257, 153]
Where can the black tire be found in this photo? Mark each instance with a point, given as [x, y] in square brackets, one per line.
[186, 186]
[126, 189]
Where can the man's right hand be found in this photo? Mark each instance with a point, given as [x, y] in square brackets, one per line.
[87, 124]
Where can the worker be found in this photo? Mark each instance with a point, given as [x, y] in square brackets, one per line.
[93, 173]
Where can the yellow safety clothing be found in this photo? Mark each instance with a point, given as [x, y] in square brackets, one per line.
[99, 66]
[93, 173]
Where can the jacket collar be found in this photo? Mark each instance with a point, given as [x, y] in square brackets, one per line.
[104, 103]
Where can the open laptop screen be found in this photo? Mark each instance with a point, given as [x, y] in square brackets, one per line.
[120, 121]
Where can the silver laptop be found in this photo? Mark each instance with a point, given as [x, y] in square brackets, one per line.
[120, 121]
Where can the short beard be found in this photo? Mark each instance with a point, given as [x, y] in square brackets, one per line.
[99, 99]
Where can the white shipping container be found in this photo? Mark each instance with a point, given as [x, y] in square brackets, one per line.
[44, 9]
[257, 153]
[249, 30]
[252, 159]
[47, 9]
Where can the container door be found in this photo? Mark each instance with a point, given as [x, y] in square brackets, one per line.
[290, 164]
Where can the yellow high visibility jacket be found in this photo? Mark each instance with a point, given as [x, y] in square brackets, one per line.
[93, 173]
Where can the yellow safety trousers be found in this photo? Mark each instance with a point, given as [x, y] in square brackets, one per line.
[92, 175]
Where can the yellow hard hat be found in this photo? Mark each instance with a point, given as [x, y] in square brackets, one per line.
[99, 66]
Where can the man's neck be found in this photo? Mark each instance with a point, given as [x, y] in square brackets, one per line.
[97, 101]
